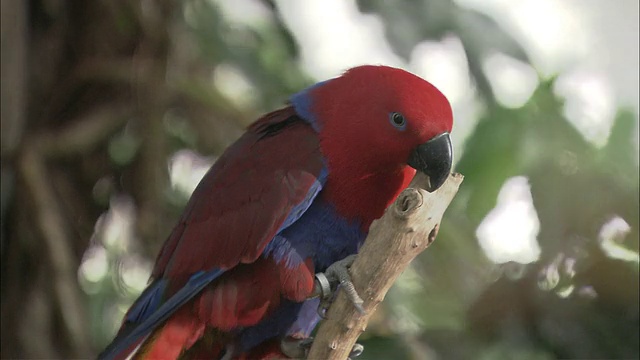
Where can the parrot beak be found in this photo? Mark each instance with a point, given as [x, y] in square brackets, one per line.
[434, 158]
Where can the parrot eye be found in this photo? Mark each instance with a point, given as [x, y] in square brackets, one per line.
[397, 120]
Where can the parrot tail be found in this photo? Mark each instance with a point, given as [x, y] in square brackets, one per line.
[171, 340]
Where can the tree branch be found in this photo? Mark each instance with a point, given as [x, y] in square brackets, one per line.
[408, 227]
[85, 133]
[64, 285]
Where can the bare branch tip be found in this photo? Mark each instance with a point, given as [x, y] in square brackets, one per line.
[457, 176]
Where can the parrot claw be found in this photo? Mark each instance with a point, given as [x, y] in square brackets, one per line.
[337, 274]
[323, 308]
[296, 348]
[299, 348]
[356, 351]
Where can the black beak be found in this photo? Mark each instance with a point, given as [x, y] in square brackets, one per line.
[434, 158]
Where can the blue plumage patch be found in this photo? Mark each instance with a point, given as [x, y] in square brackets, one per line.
[299, 209]
[148, 301]
[151, 317]
[321, 234]
[302, 102]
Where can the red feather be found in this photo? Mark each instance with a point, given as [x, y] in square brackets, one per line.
[244, 295]
[180, 332]
[243, 200]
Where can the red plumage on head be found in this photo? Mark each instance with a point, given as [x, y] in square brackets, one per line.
[366, 155]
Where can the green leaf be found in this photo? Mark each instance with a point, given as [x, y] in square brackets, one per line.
[492, 154]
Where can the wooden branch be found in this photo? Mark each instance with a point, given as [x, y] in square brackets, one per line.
[408, 227]
[85, 133]
[64, 284]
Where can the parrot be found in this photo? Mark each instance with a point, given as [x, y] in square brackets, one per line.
[292, 198]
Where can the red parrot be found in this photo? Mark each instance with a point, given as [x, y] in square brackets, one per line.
[295, 194]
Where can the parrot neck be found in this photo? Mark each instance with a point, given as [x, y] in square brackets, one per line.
[364, 196]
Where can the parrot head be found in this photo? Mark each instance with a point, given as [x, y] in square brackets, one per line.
[379, 118]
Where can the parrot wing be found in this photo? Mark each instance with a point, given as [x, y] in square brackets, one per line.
[261, 185]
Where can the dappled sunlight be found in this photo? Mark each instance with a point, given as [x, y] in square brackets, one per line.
[334, 35]
[114, 229]
[186, 169]
[113, 314]
[134, 272]
[508, 232]
[513, 81]
[549, 276]
[111, 264]
[553, 32]
[233, 83]
[587, 292]
[589, 103]
[566, 291]
[558, 277]
[444, 64]
[93, 269]
[612, 235]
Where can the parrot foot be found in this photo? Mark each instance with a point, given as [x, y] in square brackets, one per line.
[299, 348]
[337, 274]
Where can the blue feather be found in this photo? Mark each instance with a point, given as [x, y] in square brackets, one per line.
[302, 102]
[196, 283]
[299, 209]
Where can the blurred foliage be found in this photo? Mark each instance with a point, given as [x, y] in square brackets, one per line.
[576, 301]
[466, 307]
[410, 22]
